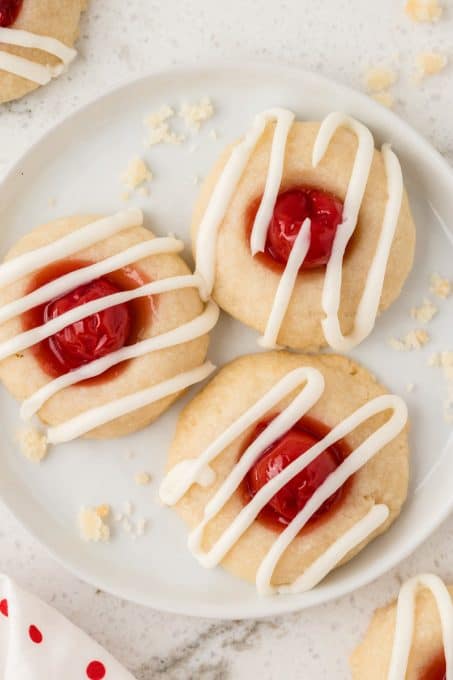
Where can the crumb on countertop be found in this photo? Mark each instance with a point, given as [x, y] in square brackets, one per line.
[142, 478]
[33, 444]
[384, 98]
[158, 127]
[425, 312]
[430, 63]
[92, 526]
[196, 114]
[440, 286]
[378, 79]
[424, 10]
[414, 339]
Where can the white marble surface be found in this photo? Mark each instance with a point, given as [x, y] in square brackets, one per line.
[119, 41]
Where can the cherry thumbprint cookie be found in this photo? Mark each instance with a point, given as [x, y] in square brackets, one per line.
[285, 466]
[303, 231]
[101, 325]
[36, 43]
[411, 638]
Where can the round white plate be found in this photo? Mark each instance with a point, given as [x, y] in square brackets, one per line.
[76, 168]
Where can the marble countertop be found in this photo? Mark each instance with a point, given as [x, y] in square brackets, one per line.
[120, 41]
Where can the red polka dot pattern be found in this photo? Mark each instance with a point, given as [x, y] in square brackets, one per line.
[35, 635]
[4, 607]
[96, 670]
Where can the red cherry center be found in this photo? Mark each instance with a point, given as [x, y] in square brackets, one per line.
[95, 670]
[9, 11]
[437, 670]
[4, 607]
[288, 502]
[93, 337]
[98, 334]
[291, 209]
[35, 635]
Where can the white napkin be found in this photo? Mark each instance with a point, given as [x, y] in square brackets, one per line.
[38, 643]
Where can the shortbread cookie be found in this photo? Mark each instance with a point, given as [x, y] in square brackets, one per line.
[221, 435]
[388, 645]
[36, 42]
[286, 189]
[100, 341]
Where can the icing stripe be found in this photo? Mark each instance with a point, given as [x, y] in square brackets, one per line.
[79, 277]
[404, 626]
[286, 286]
[331, 296]
[329, 559]
[191, 330]
[26, 68]
[78, 240]
[183, 475]
[221, 196]
[85, 422]
[369, 303]
[284, 119]
[29, 338]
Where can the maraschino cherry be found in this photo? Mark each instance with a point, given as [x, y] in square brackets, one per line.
[437, 670]
[291, 209]
[93, 337]
[9, 11]
[288, 502]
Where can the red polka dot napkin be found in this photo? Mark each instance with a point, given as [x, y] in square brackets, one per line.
[38, 643]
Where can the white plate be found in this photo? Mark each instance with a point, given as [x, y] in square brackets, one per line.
[79, 164]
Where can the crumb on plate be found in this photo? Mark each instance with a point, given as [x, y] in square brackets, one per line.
[196, 114]
[33, 444]
[92, 526]
[424, 10]
[414, 339]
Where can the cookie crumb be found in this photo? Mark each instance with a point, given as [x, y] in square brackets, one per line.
[136, 173]
[91, 525]
[423, 10]
[430, 63]
[378, 79]
[158, 128]
[142, 478]
[103, 510]
[440, 286]
[33, 444]
[385, 98]
[425, 312]
[414, 339]
[196, 114]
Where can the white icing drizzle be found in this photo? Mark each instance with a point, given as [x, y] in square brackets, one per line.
[26, 68]
[73, 243]
[86, 236]
[404, 626]
[191, 330]
[286, 287]
[179, 480]
[369, 302]
[223, 193]
[79, 277]
[85, 422]
[29, 338]
[322, 566]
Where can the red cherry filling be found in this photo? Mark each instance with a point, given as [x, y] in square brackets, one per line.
[93, 337]
[9, 11]
[96, 335]
[288, 502]
[291, 209]
[437, 670]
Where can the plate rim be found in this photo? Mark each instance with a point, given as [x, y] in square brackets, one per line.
[281, 604]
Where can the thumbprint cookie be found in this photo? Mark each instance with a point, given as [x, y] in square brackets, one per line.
[36, 43]
[101, 325]
[412, 638]
[303, 231]
[279, 478]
